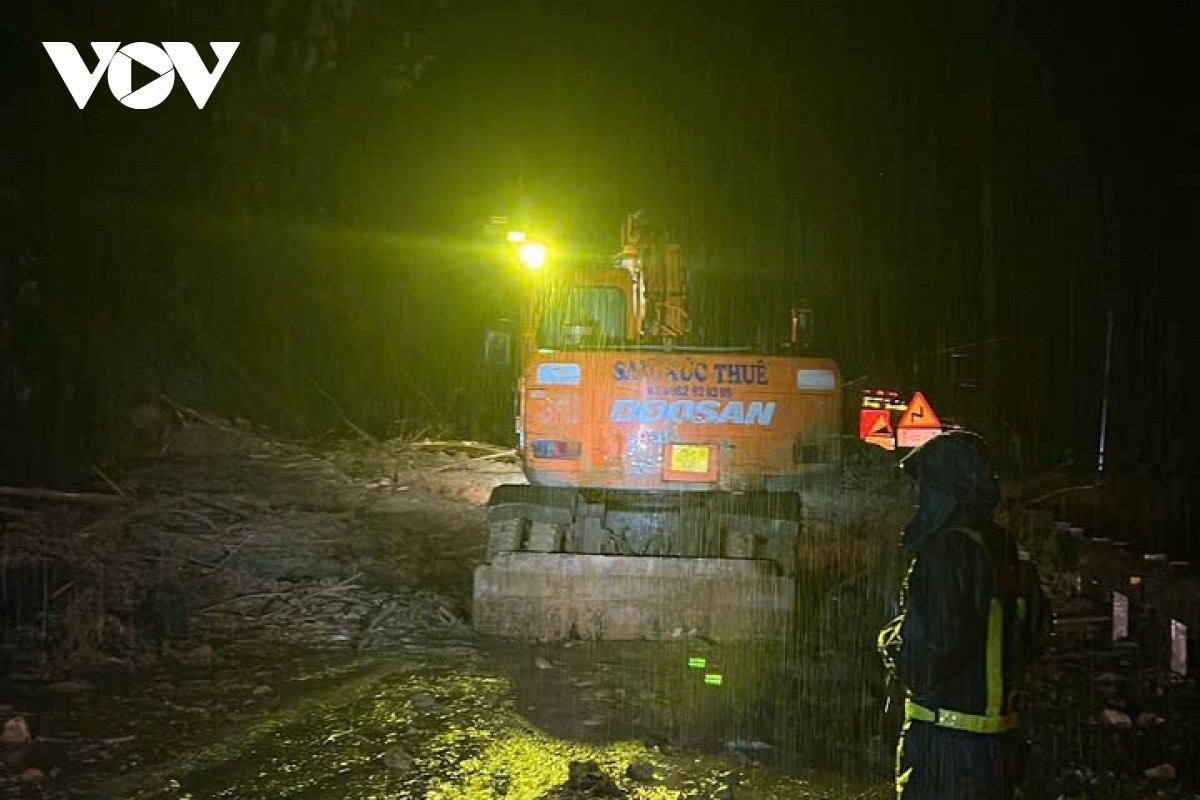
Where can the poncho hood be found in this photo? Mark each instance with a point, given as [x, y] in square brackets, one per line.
[955, 484]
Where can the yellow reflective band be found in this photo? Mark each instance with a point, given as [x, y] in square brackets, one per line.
[995, 658]
[902, 781]
[960, 720]
[902, 776]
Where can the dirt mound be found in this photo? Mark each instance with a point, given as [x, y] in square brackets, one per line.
[217, 529]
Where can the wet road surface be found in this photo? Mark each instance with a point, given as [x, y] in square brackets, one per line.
[442, 720]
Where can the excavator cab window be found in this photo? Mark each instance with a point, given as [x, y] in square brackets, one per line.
[582, 316]
[497, 348]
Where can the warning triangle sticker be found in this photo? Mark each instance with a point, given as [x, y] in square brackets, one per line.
[919, 414]
[882, 426]
[874, 422]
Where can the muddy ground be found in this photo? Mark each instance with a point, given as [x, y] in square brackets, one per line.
[239, 616]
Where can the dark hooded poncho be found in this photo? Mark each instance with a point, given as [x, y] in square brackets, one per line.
[947, 593]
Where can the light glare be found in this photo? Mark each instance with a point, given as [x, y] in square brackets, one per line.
[533, 255]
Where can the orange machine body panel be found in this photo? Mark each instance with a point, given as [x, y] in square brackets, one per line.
[675, 420]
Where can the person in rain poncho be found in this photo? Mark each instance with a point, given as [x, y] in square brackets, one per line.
[973, 617]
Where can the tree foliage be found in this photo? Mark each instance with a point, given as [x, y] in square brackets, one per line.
[209, 255]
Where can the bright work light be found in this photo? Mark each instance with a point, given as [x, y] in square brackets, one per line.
[533, 255]
[516, 236]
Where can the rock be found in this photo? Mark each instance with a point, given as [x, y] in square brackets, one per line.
[142, 433]
[202, 656]
[1148, 719]
[16, 733]
[542, 663]
[640, 771]
[587, 778]
[1163, 772]
[31, 775]
[398, 759]
[423, 701]
[1115, 719]
[71, 686]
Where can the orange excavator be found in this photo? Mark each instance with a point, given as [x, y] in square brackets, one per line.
[664, 477]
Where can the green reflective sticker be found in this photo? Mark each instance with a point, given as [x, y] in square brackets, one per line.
[712, 679]
[697, 663]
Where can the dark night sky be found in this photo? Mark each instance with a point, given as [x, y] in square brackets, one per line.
[840, 151]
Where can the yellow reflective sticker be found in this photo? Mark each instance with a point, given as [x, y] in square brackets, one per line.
[689, 458]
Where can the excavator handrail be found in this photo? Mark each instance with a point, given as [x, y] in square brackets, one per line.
[662, 348]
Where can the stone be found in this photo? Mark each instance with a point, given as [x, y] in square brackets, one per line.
[15, 733]
[1115, 719]
[1163, 772]
[424, 701]
[640, 771]
[398, 759]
